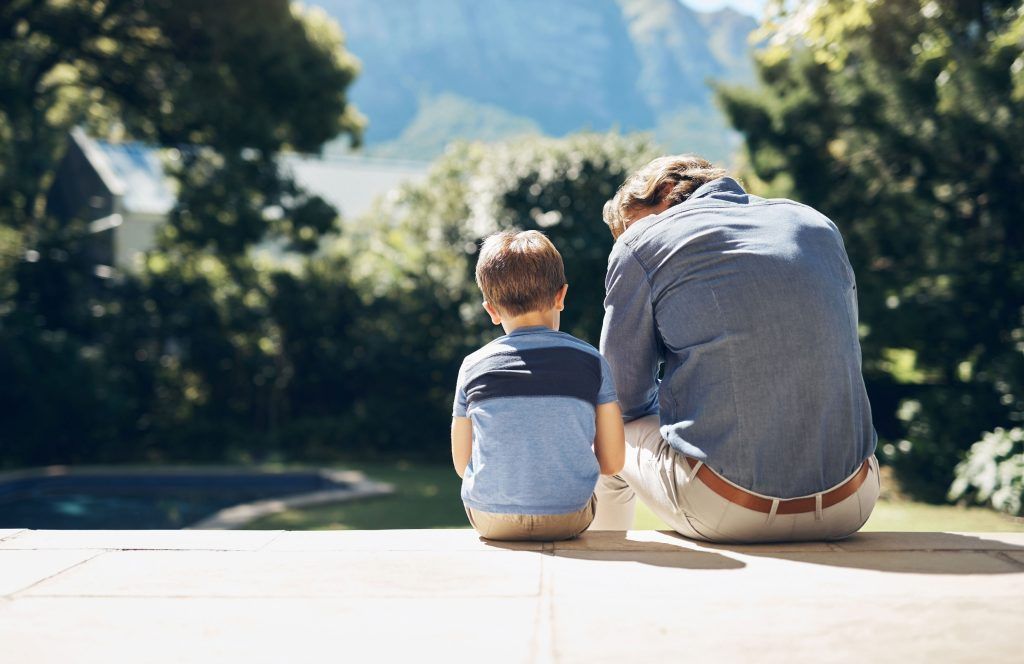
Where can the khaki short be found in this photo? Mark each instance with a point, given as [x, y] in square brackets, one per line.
[543, 527]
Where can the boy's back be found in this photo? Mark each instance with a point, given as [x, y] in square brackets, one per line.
[532, 396]
[536, 418]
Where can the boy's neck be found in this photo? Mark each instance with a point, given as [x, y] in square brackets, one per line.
[549, 319]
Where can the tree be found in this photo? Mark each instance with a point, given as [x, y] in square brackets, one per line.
[560, 188]
[556, 186]
[229, 85]
[258, 75]
[902, 121]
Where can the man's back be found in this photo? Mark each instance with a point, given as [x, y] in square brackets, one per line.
[752, 308]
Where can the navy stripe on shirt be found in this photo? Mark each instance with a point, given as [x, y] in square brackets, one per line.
[557, 371]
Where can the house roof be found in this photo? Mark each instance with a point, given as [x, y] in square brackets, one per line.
[134, 171]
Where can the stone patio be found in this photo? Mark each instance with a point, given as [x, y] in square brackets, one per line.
[443, 595]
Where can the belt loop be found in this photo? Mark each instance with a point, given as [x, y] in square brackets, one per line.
[771, 514]
[693, 471]
[817, 507]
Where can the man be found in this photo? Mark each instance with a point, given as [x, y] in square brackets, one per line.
[759, 428]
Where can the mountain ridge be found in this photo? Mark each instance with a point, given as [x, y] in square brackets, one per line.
[536, 66]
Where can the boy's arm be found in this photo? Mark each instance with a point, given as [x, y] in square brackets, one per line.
[462, 427]
[462, 443]
[610, 441]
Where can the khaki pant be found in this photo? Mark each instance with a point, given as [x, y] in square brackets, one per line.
[543, 527]
[664, 482]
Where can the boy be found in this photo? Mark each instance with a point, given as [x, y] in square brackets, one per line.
[535, 418]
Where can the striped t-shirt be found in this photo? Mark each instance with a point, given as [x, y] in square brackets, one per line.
[531, 396]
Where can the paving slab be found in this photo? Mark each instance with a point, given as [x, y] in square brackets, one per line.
[22, 569]
[300, 574]
[209, 540]
[829, 628]
[394, 540]
[105, 630]
[448, 596]
[701, 577]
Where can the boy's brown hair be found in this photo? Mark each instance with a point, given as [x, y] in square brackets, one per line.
[519, 272]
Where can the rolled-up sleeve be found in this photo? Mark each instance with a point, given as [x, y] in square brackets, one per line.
[628, 336]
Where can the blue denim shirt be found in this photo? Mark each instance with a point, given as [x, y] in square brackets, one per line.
[749, 308]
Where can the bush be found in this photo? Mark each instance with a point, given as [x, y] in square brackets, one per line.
[933, 417]
[993, 472]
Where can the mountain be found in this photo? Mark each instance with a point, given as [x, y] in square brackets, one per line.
[728, 37]
[444, 117]
[434, 70]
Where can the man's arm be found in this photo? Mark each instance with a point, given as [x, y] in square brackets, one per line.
[462, 443]
[629, 340]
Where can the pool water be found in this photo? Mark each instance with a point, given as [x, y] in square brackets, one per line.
[87, 511]
[140, 500]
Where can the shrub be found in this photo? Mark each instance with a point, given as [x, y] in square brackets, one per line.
[993, 472]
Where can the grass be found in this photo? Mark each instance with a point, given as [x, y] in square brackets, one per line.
[427, 496]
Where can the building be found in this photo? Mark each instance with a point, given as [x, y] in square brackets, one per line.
[121, 190]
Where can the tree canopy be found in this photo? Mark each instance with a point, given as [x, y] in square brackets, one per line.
[261, 75]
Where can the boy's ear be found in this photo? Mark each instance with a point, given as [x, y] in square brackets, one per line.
[492, 312]
[560, 297]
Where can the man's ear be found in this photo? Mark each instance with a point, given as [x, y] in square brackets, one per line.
[492, 312]
[663, 191]
[560, 297]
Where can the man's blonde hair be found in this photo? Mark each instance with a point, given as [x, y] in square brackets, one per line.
[519, 272]
[673, 179]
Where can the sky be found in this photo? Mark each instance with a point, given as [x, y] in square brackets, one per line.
[751, 7]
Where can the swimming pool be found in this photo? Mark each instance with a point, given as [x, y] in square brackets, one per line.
[144, 498]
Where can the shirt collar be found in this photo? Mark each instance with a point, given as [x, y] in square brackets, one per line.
[724, 185]
[528, 329]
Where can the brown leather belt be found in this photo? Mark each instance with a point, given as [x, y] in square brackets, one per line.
[788, 506]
